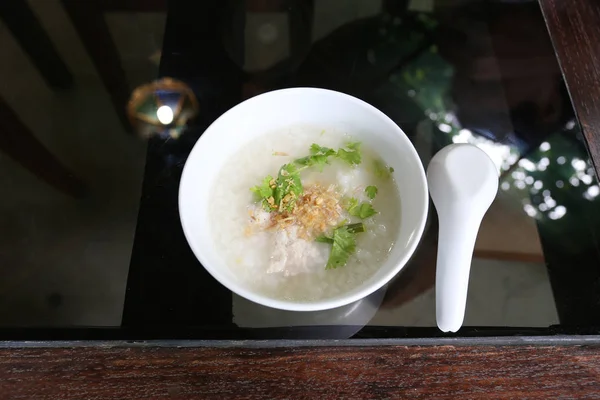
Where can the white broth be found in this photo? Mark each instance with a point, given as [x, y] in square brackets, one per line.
[286, 263]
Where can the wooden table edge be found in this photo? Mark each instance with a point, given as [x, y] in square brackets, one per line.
[555, 340]
[574, 28]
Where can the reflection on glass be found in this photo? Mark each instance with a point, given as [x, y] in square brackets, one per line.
[162, 108]
[164, 115]
[548, 183]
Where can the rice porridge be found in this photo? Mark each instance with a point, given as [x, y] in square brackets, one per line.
[305, 214]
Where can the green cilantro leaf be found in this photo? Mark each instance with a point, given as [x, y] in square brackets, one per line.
[324, 239]
[311, 161]
[351, 205]
[344, 244]
[382, 170]
[351, 154]
[352, 228]
[353, 146]
[371, 191]
[362, 210]
[315, 149]
[351, 157]
[281, 194]
[319, 156]
[366, 211]
[265, 192]
[288, 188]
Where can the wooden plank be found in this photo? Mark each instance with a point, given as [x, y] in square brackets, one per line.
[574, 27]
[319, 373]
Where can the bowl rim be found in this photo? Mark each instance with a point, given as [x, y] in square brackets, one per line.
[325, 304]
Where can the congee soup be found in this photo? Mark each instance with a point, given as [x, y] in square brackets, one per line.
[305, 213]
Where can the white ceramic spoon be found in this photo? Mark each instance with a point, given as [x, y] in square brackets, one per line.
[463, 182]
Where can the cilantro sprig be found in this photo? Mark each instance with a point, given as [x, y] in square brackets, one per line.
[352, 228]
[288, 187]
[281, 194]
[360, 210]
[343, 244]
[351, 154]
[319, 156]
[265, 191]
[371, 191]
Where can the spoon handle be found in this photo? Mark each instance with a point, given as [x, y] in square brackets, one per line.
[457, 235]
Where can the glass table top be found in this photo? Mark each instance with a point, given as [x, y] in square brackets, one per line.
[114, 260]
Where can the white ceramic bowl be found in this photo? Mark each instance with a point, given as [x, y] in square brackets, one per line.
[301, 106]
